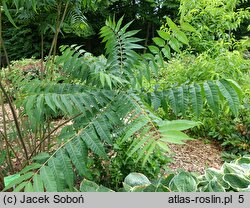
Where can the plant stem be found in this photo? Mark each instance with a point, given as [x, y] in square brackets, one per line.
[50, 133]
[14, 152]
[49, 136]
[2, 42]
[42, 56]
[4, 134]
[58, 26]
[15, 120]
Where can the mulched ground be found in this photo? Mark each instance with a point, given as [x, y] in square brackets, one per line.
[195, 156]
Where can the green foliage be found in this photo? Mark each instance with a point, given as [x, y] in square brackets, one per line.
[112, 172]
[186, 68]
[172, 89]
[233, 133]
[232, 176]
[120, 47]
[171, 38]
[212, 21]
[36, 21]
[212, 92]
[22, 42]
[103, 99]
[89, 186]
[183, 71]
[57, 175]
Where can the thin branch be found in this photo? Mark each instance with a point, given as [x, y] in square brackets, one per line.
[50, 133]
[6, 94]
[15, 120]
[9, 145]
[2, 42]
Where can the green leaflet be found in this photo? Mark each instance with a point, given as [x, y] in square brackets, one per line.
[148, 152]
[181, 37]
[67, 103]
[173, 42]
[236, 87]
[66, 167]
[50, 103]
[179, 125]
[139, 143]
[6, 10]
[187, 27]
[182, 95]
[77, 157]
[48, 179]
[58, 103]
[196, 99]
[134, 127]
[153, 49]
[9, 179]
[166, 51]
[41, 157]
[20, 186]
[173, 136]
[156, 101]
[30, 103]
[102, 128]
[230, 95]
[172, 25]
[164, 35]
[159, 41]
[75, 100]
[18, 179]
[163, 145]
[145, 151]
[212, 95]
[55, 166]
[33, 166]
[90, 137]
[173, 99]
[38, 183]
[29, 187]
[39, 104]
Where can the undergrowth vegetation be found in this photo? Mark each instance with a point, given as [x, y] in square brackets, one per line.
[77, 120]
